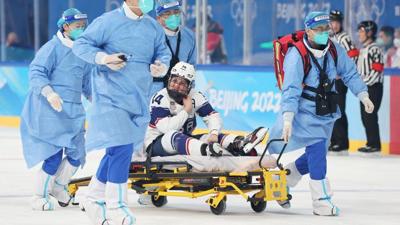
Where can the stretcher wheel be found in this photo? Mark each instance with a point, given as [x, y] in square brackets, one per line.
[258, 206]
[158, 201]
[221, 207]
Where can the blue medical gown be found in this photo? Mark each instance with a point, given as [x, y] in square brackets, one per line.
[43, 130]
[187, 49]
[119, 113]
[187, 52]
[309, 128]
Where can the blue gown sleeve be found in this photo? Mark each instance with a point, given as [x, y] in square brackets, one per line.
[293, 81]
[87, 82]
[161, 52]
[89, 43]
[347, 71]
[41, 67]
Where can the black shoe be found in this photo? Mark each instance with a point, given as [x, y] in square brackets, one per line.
[368, 149]
[338, 150]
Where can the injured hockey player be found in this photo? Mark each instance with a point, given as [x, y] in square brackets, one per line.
[173, 119]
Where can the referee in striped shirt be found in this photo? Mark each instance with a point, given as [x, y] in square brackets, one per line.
[370, 66]
[340, 138]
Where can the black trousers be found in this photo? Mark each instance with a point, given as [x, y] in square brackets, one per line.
[370, 121]
[340, 134]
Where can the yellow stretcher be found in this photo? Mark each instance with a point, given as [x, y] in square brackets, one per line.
[151, 178]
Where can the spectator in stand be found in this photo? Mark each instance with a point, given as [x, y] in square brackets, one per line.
[215, 42]
[385, 41]
[396, 43]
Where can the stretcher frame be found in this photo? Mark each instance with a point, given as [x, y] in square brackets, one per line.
[150, 178]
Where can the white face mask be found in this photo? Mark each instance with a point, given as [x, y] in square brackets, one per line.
[396, 42]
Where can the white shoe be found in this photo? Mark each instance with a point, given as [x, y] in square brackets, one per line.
[62, 178]
[43, 204]
[60, 192]
[321, 194]
[144, 199]
[94, 203]
[292, 179]
[41, 199]
[96, 211]
[121, 216]
[283, 203]
[116, 201]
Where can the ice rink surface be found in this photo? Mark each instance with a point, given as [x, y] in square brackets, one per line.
[367, 190]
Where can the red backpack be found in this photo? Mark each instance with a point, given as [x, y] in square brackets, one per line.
[281, 46]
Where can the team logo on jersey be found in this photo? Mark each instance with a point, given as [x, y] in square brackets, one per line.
[172, 106]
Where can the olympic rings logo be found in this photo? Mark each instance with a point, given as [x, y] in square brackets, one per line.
[237, 11]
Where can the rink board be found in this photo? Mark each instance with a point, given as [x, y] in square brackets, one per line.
[245, 97]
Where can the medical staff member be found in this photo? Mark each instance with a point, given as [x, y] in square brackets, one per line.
[308, 114]
[180, 40]
[52, 120]
[128, 48]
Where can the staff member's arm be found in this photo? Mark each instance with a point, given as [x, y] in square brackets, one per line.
[162, 55]
[291, 90]
[39, 75]
[88, 46]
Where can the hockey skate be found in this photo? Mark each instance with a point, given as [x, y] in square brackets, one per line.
[253, 139]
[215, 150]
[242, 146]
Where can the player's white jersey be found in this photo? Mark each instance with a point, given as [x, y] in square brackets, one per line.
[167, 115]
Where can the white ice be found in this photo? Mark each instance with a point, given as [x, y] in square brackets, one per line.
[367, 190]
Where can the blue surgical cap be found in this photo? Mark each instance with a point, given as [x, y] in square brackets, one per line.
[315, 19]
[166, 5]
[70, 15]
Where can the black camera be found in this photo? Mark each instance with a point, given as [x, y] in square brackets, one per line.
[326, 103]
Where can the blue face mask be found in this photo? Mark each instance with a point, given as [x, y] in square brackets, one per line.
[75, 33]
[321, 38]
[146, 5]
[173, 21]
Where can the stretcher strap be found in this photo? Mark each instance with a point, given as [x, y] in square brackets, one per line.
[308, 97]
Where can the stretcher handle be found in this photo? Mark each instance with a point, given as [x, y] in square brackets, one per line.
[280, 154]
